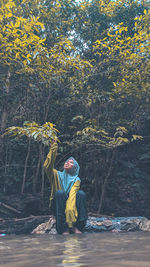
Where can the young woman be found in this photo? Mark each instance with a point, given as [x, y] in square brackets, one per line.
[67, 201]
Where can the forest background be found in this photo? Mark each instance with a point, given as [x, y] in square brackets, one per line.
[83, 66]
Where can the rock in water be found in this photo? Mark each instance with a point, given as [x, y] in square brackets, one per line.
[99, 224]
[95, 224]
[45, 227]
[145, 225]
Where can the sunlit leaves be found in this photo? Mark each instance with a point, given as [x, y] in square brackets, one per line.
[131, 53]
[25, 42]
[104, 139]
[46, 133]
[18, 36]
[136, 137]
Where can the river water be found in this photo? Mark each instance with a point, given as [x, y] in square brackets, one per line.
[105, 249]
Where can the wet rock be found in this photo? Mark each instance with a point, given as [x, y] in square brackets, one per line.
[145, 225]
[47, 224]
[99, 224]
[117, 223]
[45, 227]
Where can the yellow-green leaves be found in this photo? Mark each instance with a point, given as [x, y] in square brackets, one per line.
[18, 36]
[131, 51]
[46, 133]
[136, 137]
[104, 139]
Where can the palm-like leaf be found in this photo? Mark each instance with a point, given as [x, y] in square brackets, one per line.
[45, 133]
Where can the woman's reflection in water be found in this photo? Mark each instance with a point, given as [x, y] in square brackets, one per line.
[72, 249]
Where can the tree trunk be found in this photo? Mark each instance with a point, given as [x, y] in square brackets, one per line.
[105, 182]
[94, 174]
[4, 120]
[4, 116]
[5, 170]
[25, 167]
[5, 111]
[37, 170]
[42, 187]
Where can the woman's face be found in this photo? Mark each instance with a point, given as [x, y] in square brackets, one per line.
[68, 164]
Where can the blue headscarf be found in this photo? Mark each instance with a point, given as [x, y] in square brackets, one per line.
[67, 179]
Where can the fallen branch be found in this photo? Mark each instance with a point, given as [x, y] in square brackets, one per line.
[32, 217]
[9, 208]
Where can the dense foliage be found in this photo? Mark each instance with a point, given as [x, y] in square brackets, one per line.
[83, 66]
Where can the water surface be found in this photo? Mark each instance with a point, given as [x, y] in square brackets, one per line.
[99, 249]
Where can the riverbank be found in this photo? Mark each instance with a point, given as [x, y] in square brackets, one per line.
[26, 214]
[46, 224]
